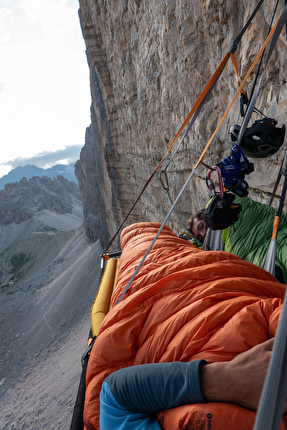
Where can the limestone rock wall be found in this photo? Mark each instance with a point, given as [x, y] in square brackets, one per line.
[149, 61]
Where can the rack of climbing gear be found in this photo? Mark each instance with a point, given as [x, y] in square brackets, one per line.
[233, 169]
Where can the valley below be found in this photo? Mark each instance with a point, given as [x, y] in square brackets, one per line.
[49, 275]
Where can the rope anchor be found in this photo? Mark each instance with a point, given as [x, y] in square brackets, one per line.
[165, 185]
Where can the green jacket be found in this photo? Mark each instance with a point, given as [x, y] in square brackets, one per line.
[250, 236]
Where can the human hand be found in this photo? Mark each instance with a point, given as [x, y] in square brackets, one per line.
[240, 380]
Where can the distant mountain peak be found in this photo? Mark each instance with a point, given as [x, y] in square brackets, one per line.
[22, 199]
[29, 171]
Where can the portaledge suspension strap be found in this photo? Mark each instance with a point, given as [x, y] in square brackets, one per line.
[275, 33]
[201, 156]
[194, 111]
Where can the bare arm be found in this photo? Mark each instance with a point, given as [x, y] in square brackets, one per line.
[240, 380]
[131, 395]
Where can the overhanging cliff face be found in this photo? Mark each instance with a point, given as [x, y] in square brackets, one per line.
[149, 61]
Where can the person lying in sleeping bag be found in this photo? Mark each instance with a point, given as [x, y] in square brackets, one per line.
[185, 305]
[249, 237]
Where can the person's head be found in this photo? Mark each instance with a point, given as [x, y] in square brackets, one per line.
[197, 226]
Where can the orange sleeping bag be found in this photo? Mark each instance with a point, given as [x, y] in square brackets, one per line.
[184, 304]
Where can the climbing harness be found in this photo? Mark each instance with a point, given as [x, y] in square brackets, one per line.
[233, 169]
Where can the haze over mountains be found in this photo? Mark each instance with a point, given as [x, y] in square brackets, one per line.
[30, 170]
[38, 217]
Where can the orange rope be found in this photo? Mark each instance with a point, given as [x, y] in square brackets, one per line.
[193, 110]
[196, 105]
[237, 92]
[191, 113]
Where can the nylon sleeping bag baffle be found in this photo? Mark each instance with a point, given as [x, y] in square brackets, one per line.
[184, 304]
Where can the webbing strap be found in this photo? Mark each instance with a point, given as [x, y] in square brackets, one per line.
[207, 90]
[234, 62]
[235, 65]
[275, 32]
[197, 108]
[199, 160]
[194, 112]
[237, 92]
[239, 37]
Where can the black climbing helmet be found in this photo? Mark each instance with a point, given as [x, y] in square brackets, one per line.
[261, 140]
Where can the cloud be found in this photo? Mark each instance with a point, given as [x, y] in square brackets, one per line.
[57, 19]
[48, 158]
[44, 82]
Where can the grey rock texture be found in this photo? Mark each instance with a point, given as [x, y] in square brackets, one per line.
[149, 61]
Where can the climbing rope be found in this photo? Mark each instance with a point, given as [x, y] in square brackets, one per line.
[253, 100]
[165, 187]
[193, 114]
[277, 182]
[231, 55]
[276, 31]
[261, 59]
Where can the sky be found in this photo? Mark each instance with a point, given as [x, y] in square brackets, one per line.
[44, 83]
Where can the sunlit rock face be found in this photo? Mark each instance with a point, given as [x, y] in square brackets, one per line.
[149, 61]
